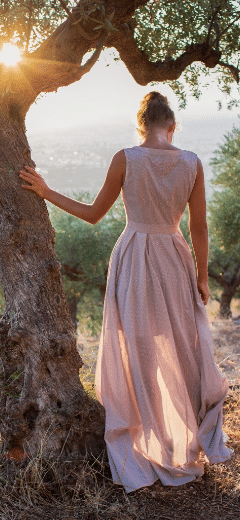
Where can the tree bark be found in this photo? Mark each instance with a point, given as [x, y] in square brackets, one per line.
[72, 305]
[225, 302]
[229, 281]
[42, 401]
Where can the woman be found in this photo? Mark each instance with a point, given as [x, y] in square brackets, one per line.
[155, 375]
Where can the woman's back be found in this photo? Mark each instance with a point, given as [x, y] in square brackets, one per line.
[157, 185]
[156, 375]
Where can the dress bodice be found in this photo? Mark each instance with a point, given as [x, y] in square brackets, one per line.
[157, 186]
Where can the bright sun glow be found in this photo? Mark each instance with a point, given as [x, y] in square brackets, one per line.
[10, 54]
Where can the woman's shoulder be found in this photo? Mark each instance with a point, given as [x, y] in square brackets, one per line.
[174, 151]
[191, 154]
[119, 157]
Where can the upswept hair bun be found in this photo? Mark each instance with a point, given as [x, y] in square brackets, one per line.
[154, 110]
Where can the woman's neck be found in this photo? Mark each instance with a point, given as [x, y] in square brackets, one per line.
[159, 138]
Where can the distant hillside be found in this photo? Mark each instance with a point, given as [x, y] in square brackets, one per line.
[76, 159]
[203, 137]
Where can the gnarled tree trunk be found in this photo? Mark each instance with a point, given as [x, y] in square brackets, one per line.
[229, 281]
[42, 401]
[225, 302]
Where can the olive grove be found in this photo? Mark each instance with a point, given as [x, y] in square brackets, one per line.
[224, 220]
[83, 251]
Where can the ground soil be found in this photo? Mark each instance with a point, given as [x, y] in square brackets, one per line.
[38, 490]
[226, 344]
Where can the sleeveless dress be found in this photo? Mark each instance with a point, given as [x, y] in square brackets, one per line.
[155, 375]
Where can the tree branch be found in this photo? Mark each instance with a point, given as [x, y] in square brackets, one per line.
[75, 274]
[29, 29]
[227, 280]
[217, 31]
[224, 31]
[234, 70]
[236, 269]
[144, 71]
[237, 284]
[92, 60]
[73, 20]
[217, 277]
[235, 277]
[226, 266]
[65, 7]
[211, 23]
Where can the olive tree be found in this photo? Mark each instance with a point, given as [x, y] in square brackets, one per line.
[224, 220]
[83, 251]
[41, 396]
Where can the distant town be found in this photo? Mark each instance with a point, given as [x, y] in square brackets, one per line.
[76, 159]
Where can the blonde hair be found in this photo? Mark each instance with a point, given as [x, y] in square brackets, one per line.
[154, 110]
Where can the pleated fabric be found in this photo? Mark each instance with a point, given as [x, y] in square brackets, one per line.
[156, 376]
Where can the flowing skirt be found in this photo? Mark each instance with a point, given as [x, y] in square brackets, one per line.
[156, 376]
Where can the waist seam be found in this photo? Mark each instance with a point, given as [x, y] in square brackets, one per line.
[155, 229]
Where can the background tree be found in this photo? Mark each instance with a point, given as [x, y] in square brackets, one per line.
[224, 224]
[84, 251]
[158, 41]
[224, 273]
[224, 220]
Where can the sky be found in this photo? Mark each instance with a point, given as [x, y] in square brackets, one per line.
[108, 94]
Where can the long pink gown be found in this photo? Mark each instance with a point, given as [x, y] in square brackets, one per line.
[156, 376]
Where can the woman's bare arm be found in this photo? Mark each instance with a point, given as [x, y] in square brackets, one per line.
[91, 213]
[199, 231]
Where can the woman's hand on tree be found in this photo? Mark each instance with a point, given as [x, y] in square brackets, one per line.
[203, 291]
[37, 183]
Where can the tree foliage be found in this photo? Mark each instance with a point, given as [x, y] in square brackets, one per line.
[29, 22]
[165, 29]
[224, 207]
[177, 37]
[224, 220]
[81, 244]
[84, 251]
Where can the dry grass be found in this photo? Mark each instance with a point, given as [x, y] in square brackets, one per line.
[54, 491]
[213, 308]
[38, 489]
[226, 341]
[226, 344]
[88, 349]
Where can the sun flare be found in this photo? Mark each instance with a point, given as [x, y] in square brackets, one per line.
[9, 55]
